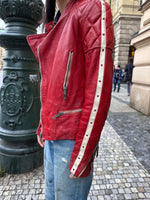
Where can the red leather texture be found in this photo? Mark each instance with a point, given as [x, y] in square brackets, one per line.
[75, 58]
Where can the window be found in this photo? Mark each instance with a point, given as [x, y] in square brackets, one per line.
[131, 51]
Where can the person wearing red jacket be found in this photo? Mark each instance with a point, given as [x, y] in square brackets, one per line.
[75, 58]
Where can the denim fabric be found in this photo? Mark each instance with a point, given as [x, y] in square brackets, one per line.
[129, 87]
[117, 82]
[58, 185]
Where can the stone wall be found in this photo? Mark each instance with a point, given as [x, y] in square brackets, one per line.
[140, 91]
[124, 27]
[128, 7]
[126, 20]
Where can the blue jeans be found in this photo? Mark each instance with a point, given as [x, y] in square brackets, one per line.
[58, 185]
[116, 81]
[129, 87]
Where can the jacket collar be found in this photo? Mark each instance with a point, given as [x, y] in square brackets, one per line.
[67, 9]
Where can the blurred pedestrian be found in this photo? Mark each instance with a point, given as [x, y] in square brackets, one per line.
[128, 75]
[117, 77]
[75, 57]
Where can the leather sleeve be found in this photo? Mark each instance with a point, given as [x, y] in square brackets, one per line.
[38, 131]
[98, 87]
[94, 113]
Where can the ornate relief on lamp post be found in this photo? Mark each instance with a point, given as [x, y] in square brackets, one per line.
[27, 9]
[20, 91]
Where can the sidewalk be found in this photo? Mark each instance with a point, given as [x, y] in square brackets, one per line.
[122, 169]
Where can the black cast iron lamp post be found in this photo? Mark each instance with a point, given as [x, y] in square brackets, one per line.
[20, 91]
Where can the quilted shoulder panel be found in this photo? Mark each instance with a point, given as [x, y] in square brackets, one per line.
[89, 12]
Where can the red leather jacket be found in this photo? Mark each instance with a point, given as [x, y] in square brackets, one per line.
[75, 58]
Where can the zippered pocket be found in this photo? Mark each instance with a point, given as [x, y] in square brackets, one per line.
[66, 80]
[66, 112]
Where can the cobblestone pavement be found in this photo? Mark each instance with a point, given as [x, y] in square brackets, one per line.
[133, 127]
[118, 172]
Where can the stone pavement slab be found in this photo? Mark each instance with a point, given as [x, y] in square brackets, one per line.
[118, 174]
[132, 126]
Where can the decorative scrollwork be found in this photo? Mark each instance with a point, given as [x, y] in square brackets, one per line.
[30, 9]
[16, 99]
[12, 122]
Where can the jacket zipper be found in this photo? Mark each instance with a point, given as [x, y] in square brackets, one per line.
[67, 74]
[66, 112]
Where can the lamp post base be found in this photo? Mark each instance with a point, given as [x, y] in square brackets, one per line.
[17, 158]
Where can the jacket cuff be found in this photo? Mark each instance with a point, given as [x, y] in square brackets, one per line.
[38, 131]
[85, 170]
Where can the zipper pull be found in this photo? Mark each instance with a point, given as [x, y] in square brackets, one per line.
[65, 92]
[59, 114]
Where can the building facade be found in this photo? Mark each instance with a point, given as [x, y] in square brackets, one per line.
[140, 92]
[126, 20]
